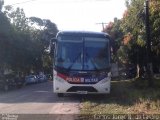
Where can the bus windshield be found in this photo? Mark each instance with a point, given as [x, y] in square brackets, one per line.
[82, 53]
[96, 54]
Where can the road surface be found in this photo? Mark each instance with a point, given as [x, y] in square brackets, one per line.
[37, 99]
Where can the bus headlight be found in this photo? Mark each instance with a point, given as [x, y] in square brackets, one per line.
[59, 80]
[57, 88]
[109, 74]
[104, 80]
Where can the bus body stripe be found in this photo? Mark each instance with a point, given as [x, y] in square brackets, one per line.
[62, 76]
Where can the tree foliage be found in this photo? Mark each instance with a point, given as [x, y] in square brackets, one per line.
[132, 34]
[113, 29]
[22, 43]
[155, 22]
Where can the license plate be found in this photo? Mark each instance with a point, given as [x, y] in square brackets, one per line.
[82, 92]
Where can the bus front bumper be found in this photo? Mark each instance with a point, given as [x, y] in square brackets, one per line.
[102, 87]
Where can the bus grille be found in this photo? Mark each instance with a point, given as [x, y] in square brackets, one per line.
[82, 88]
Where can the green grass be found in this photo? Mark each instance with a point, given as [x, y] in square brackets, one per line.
[126, 97]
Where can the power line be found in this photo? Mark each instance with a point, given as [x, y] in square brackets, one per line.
[58, 1]
[102, 23]
[22, 2]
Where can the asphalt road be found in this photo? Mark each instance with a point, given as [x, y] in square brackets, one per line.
[37, 99]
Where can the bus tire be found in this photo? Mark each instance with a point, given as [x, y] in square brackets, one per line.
[60, 94]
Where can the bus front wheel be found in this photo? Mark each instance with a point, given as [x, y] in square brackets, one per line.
[60, 94]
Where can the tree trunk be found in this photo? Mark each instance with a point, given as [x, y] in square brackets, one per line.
[138, 71]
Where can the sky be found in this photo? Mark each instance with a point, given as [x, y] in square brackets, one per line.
[82, 15]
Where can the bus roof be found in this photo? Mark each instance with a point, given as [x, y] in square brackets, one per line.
[83, 33]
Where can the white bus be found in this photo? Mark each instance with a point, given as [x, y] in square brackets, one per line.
[81, 63]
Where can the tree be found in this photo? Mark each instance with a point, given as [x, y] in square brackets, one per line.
[17, 18]
[47, 30]
[133, 27]
[155, 28]
[23, 45]
[1, 4]
[5, 40]
[131, 34]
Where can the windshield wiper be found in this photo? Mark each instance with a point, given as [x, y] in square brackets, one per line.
[74, 61]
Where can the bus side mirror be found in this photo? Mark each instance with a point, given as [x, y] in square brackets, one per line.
[52, 45]
[50, 48]
[53, 40]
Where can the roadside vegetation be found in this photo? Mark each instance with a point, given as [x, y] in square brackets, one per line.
[130, 36]
[134, 96]
[23, 41]
[126, 97]
[129, 33]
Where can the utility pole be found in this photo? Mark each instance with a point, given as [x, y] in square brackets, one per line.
[148, 42]
[102, 23]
